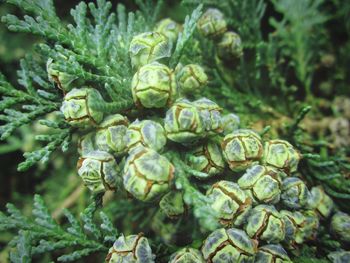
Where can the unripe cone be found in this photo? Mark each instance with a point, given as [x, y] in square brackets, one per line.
[168, 28]
[312, 223]
[187, 255]
[207, 158]
[111, 134]
[272, 254]
[98, 170]
[295, 194]
[230, 203]
[230, 46]
[183, 123]
[148, 47]
[265, 223]
[211, 115]
[130, 249]
[339, 257]
[228, 245]
[77, 110]
[241, 149]
[230, 123]
[282, 155]
[294, 223]
[212, 23]
[86, 144]
[320, 201]
[263, 184]
[147, 174]
[63, 80]
[154, 86]
[172, 204]
[191, 79]
[340, 226]
[145, 133]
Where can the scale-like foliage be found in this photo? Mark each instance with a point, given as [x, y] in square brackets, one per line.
[42, 234]
[261, 87]
[94, 49]
[23, 106]
[326, 169]
[300, 36]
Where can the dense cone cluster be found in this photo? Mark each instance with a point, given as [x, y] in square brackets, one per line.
[262, 206]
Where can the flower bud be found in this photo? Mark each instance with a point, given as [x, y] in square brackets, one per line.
[148, 47]
[154, 86]
[77, 110]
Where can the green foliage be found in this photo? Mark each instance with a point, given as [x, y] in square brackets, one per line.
[23, 106]
[23, 248]
[42, 234]
[92, 42]
[184, 37]
[321, 168]
[82, 50]
[299, 36]
[244, 17]
[278, 73]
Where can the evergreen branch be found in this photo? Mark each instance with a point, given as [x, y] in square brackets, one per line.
[13, 122]
[47, 26]
[184, 37]
[43, 234]
[299, 36]
[242, 16]
[43, 154]
[301, 115]
[150, 10]
[220, 4]
[24, 248]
